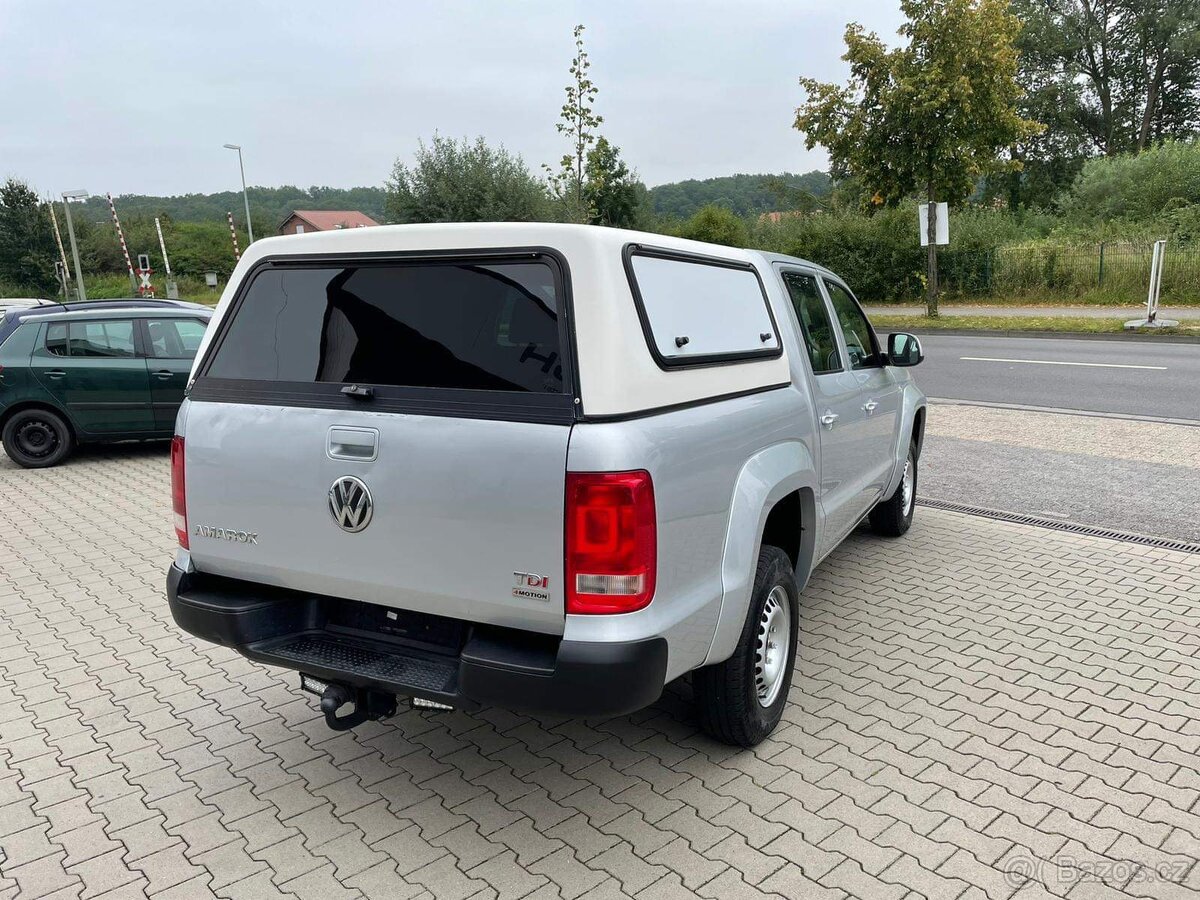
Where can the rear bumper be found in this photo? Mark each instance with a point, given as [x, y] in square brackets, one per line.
[462, 665]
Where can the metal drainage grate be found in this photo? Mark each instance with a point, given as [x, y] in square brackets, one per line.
[1055, 525]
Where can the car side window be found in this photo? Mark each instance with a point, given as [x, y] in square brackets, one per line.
[98, 339]
[815, 326]
[860, 339]
[56, 339]
[174, 338]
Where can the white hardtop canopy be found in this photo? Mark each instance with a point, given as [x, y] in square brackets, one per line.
[617, 373]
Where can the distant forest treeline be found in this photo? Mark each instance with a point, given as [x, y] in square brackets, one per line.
[746, 195]
[268, 206]
[742, 194]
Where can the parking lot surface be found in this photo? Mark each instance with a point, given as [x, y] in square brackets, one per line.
[980, 710]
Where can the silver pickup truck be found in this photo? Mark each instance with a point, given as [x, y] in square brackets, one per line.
[546, 467]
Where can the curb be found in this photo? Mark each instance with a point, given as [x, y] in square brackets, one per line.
[1060, 411]
[1070, 335]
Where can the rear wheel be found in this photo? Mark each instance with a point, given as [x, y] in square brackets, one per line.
[37, 438]
[892, 517]
[741, 700]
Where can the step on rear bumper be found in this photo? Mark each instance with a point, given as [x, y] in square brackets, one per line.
[504, 667]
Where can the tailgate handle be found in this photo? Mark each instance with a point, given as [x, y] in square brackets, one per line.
[346, 442]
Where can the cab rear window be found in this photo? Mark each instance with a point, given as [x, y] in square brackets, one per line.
[486, 326]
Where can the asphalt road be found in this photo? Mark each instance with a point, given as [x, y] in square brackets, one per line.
[1130, 377]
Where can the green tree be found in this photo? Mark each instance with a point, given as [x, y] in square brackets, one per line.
[1050, 159]
[611, 192]
[1123, 74]
[578, 120]
[1142, 187]
[27, 249]
[717, 225]
[467, 181]
[930, 116]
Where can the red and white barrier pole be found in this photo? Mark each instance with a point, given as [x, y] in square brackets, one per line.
[121, 237]
[62, 254]
[233, 234]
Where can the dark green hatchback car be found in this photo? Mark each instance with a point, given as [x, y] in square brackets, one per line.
[81, 373]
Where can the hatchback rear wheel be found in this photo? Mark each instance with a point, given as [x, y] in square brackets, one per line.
[37, 438]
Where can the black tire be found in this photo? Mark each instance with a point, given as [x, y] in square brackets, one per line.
[37, 438]
[893, 516]
[726, 694]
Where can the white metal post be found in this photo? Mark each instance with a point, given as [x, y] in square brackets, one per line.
[67, 196]
[1156, 264]
[245, 196]
[1157, 259]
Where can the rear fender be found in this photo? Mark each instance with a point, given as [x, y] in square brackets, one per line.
[765, 479]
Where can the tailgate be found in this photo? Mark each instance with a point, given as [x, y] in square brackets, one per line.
[390, 431]
[458, 507]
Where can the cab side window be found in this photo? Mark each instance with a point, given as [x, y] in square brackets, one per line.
[860, 339]
[815, 326]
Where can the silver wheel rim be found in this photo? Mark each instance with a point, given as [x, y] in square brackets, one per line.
[772, 644]
[906, 486]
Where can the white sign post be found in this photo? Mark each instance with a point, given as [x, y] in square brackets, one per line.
[1156, 269]
[941, 225]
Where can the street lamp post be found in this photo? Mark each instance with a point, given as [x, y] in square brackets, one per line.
[68, 196]
[245, 196]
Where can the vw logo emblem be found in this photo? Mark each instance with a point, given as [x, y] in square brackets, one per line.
[350, 504]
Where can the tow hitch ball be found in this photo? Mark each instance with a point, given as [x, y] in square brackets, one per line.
[368, 704]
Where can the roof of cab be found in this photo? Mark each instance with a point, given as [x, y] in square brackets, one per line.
[796, 261]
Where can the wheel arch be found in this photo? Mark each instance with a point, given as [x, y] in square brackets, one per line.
[24, 405]
[912, 428]
[774, 502]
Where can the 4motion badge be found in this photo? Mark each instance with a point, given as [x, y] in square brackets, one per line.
[531, 586]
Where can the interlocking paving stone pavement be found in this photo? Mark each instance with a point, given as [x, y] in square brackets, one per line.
[980, 710]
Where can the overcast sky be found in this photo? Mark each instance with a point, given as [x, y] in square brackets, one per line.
[132, 97]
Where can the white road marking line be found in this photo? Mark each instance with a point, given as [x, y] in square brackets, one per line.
[1054, 362]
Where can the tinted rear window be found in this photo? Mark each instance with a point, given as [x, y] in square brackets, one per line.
[490, 326]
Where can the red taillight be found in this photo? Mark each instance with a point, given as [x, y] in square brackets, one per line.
[178, 492]
[612, 542]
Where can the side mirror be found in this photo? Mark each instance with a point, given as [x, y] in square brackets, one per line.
[904, 349]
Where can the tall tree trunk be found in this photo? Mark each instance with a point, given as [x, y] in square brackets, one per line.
[931, 281]
[1152, 93]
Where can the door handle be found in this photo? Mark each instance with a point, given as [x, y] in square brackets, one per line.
[56, 373]
[829, 418]
[163, 373]
[869, 406]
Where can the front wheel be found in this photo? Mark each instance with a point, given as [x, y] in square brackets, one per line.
[892, 517]
[37, 438]
[741, 700]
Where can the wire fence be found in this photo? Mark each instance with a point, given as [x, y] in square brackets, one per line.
[1119, 273]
